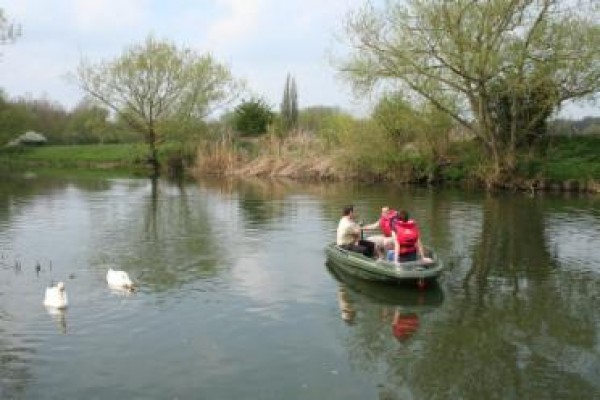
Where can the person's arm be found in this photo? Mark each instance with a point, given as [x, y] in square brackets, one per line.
[421, 251]
[374, 225]
[420, 248]
[396, 248]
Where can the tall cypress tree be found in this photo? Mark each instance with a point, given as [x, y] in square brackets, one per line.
[294, 104]
[289, 104]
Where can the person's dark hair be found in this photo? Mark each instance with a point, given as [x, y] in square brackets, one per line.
[403, 215]
[348, 209]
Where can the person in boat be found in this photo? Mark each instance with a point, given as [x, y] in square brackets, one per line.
[349, 234]
[383, 241]
[407, 240]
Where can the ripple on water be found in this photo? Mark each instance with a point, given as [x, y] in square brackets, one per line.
[573, 239]
[234, 287]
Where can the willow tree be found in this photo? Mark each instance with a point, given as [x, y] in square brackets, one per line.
[480, 61]
[158, 89]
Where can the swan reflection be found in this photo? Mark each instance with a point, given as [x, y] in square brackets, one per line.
[60, 317]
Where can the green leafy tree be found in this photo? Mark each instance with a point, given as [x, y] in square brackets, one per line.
[289, 105]
[252, 117]
[14, 120]
[418, 124]
[161, 91]
[88, 123]
[395, 115]
[313, 118]
[467, 57]
[40, 115]
[47, 116]
[327, 123]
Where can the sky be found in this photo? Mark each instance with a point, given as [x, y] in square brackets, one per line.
[261, 41]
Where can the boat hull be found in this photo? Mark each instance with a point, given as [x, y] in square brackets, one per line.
[383, 271]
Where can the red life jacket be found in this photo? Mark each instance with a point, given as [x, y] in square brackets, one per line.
[407, 235]
[405, 326]
[386, 221]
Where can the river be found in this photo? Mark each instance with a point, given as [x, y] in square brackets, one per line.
[235, 299]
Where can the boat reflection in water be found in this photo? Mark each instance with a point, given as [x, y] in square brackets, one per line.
[395, 311]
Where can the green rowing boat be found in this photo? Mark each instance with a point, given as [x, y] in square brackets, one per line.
[384, 271]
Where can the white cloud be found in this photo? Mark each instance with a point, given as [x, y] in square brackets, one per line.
[240, 22]
[105, 15]
[261, 40]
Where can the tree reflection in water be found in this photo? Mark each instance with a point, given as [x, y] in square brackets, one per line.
[14, 365]
[164, 242]
[515, 326]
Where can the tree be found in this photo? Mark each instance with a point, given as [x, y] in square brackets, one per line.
[468, 57]
[417, 123]
[41, 115]
[88, 123]
[49, 117]
[252, 117]
[289, 104]
[161, 91]
[9, 31]
[395, 115]
[14, 120]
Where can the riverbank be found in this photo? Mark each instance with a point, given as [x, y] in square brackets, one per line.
[110, 156]
[570, 164]
[564, 164]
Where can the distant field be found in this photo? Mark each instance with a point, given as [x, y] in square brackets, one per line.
[89, 156]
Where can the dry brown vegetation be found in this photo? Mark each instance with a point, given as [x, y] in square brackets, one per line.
[298, 156]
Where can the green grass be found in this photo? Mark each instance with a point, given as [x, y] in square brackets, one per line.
[86, 156]
[572, 158]
[564, 158]
[464, 159]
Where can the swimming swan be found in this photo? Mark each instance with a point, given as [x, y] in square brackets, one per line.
[118, 279]
[56, 296]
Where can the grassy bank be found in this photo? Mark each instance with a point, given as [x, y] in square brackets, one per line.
[562, 163]
[96, 156]
[571, 158]
[114, 157]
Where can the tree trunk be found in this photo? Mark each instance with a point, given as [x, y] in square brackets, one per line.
[486, 132]
[153, 156]
[512, 147]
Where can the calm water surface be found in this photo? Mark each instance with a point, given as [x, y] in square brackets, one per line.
[235, 298]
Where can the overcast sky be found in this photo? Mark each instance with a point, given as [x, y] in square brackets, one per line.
[260, 40]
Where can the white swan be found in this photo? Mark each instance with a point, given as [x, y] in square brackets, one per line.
[118, 279]
[56, 296]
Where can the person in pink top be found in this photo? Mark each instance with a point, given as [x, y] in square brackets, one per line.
[383, 241]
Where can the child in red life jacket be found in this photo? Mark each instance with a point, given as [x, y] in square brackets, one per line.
[383, 241]
[407, 241]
